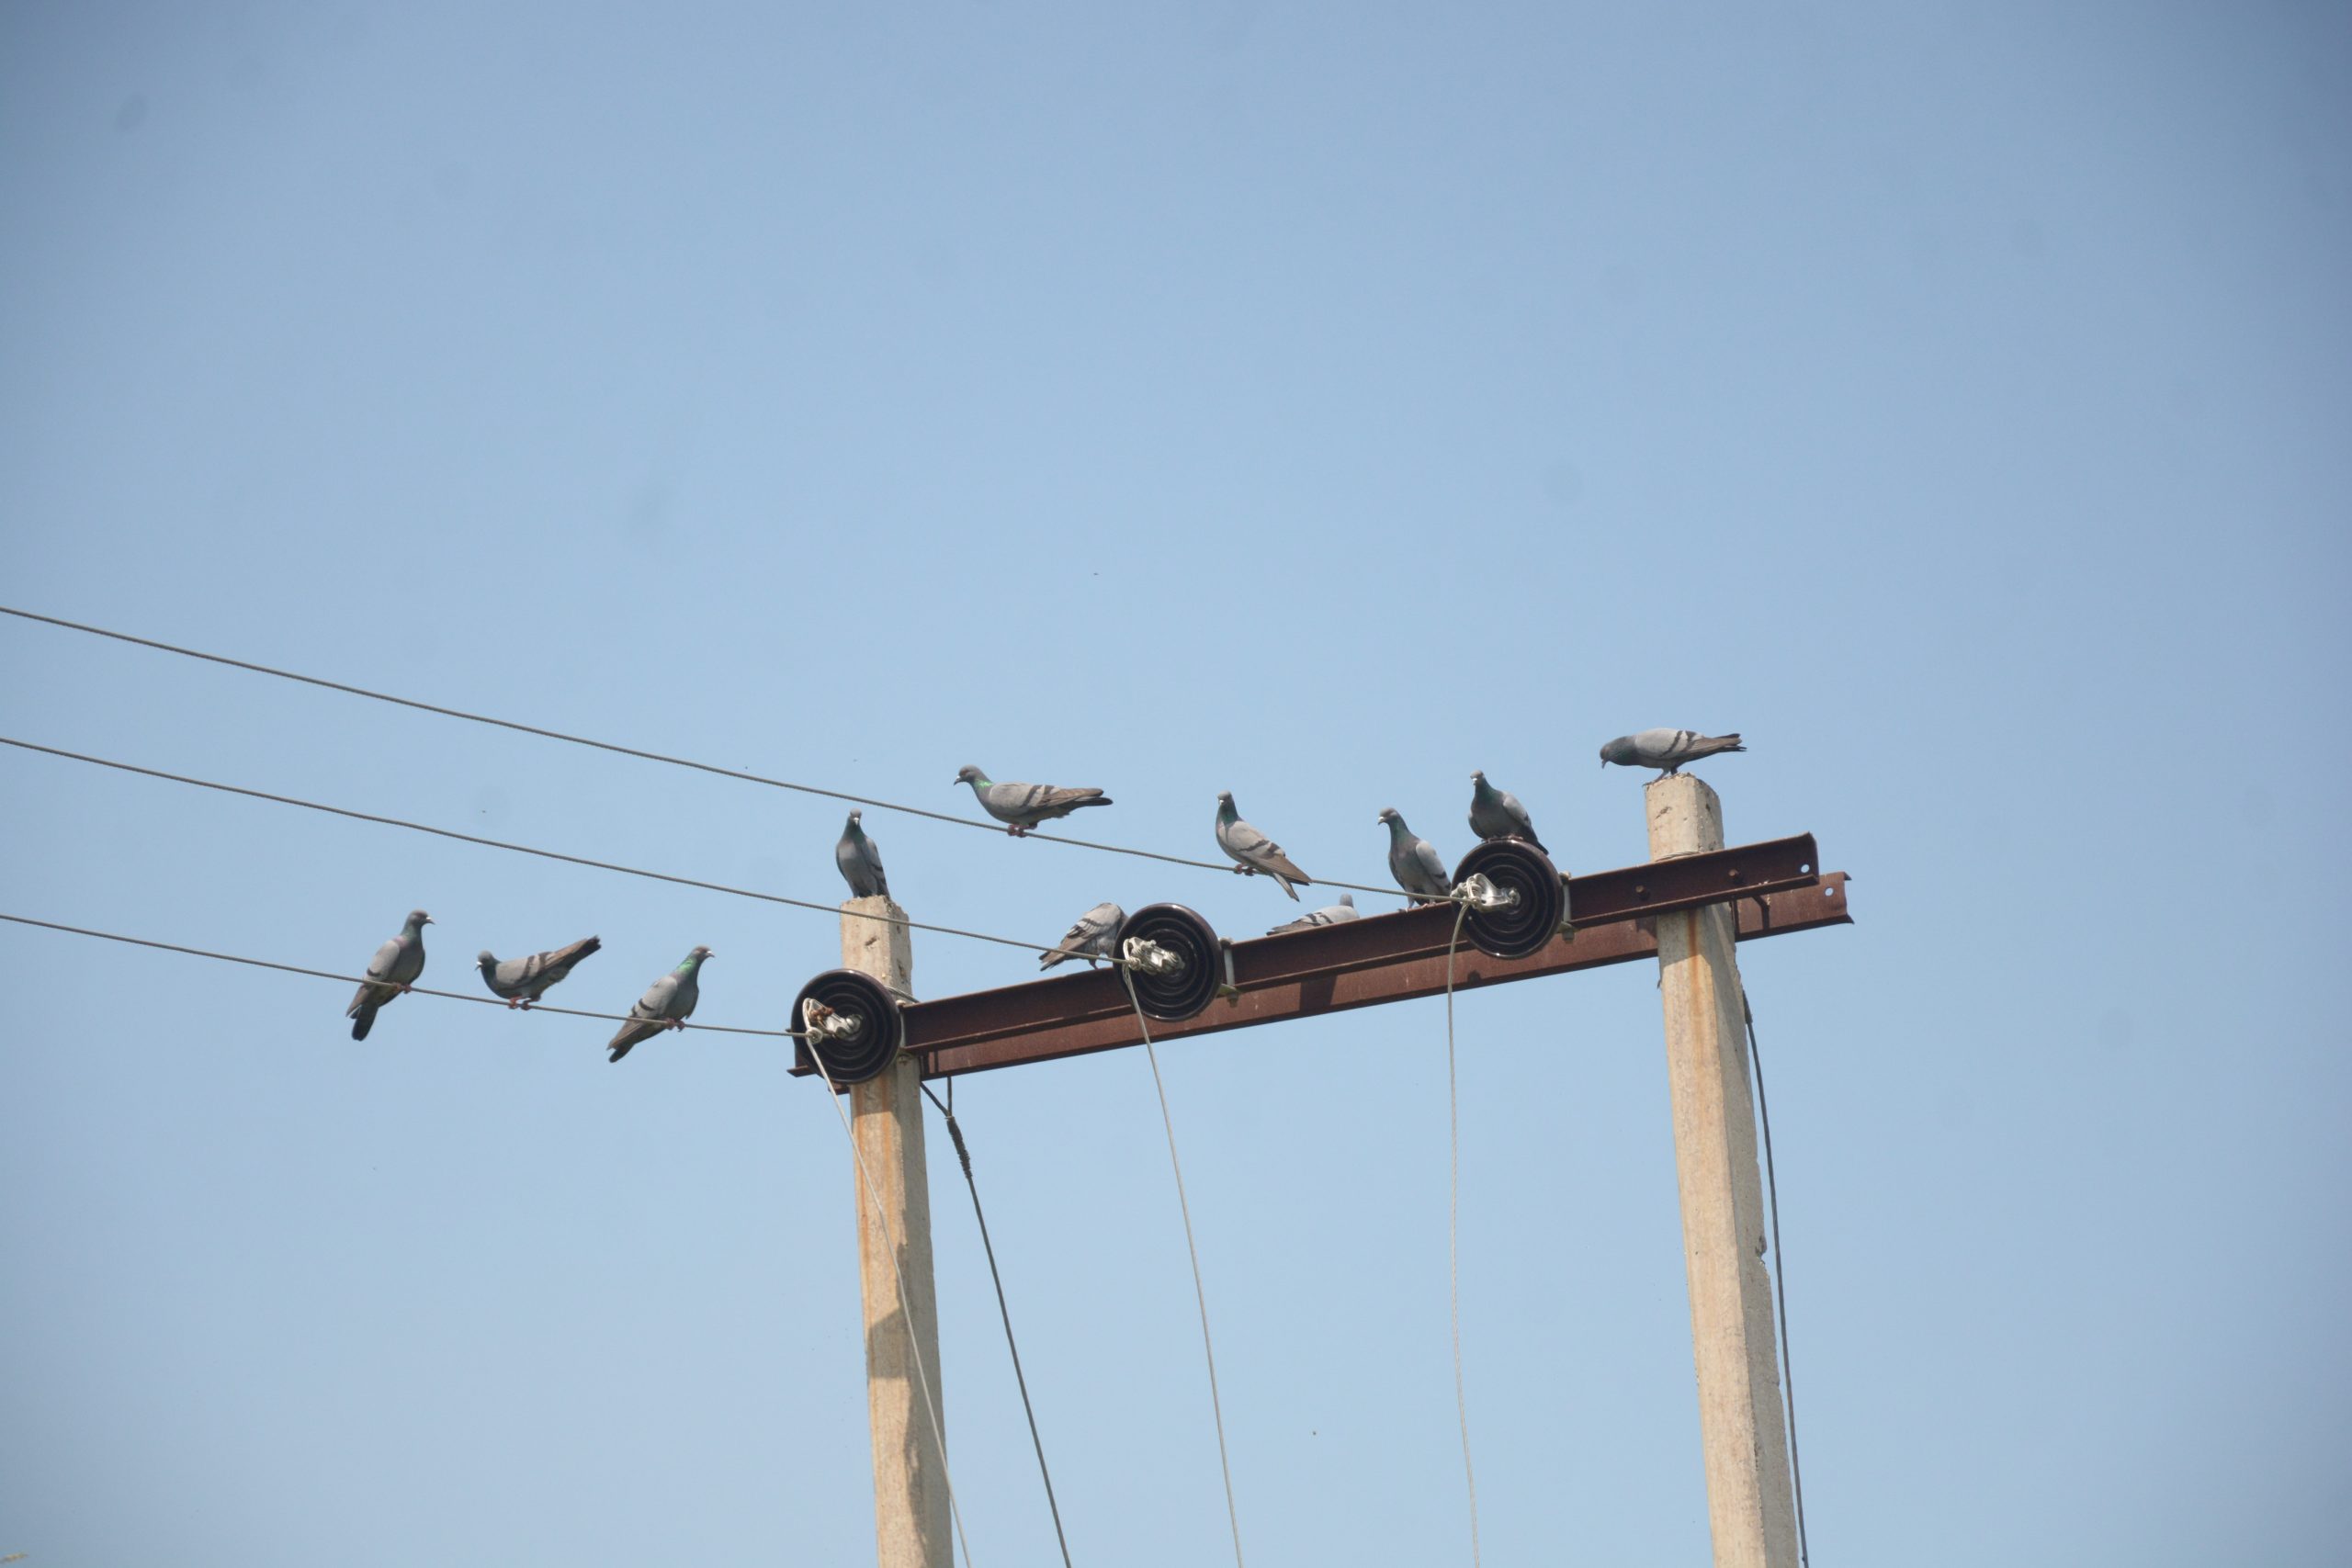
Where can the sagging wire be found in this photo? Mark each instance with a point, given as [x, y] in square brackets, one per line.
[740, 773]
[1463, 899]
[964, 1157]
[1779, 1280]
[906, 1302]
[1216, 1405]
[515, 848]
[364, 980]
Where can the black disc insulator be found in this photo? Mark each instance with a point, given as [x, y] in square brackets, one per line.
[866, 1049]
[1522, 927]
[1181, 993]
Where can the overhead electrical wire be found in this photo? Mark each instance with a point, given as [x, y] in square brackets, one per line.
[1200, 1293]
[519, 849]
[1780, 1278]
[649, 756]
[1453, 1225]
[365, 980]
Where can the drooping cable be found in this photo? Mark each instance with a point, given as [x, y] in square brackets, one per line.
[1454, 1225]
[1216, 1405]
[1780, 1279]
[964, 1157]
[740, 773]
[515, 848]
[362, 980]
[906, 1302]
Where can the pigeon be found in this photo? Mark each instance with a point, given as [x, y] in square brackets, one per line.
[1021, 806]
[1413, 861]
[1329, 915]
[1255, 850]
[393, 970]
[1094, 936]
[1497, 813]
[522, 981]
[1668, 748]
[861, 861]
[667, 1004]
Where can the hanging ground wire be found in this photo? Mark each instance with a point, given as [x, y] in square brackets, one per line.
[1454, 1226]
[906, 1303]
[1217, 1406]
[964, 1156]
[1780, 1280]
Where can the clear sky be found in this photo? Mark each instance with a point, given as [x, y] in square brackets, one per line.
[1313, 403]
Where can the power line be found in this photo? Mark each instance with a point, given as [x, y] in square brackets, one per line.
[517, 849]
[364, 980]
[643, 754]
[1780, 1277]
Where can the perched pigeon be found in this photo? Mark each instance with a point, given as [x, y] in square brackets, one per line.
[1414, 862]
[1092, 937]
[1254, 849]
[393, 970]
[522, 981]
[1021, 806]
[861, 861]
[1329, 915]
[667, 1004]
[1668, 748]
[1497, 813]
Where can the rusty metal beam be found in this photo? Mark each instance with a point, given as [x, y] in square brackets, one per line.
[1779, 886]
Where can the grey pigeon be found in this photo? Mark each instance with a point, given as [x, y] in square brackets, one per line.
[1668, 748]
[1094, 936]
[1414, 862]
[1497, 813]
[1254, 849]
[1329, 915]
[667, 1004]
[861, 861]
[394, 969]
[522, 981]
[1022, 806]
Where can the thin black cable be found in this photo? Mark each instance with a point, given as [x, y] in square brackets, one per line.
[1779, 1280]
[364, 980]
[964, 1156]
[642, 753]
[1453, 1225]
[1200, 1293]
[518, 849]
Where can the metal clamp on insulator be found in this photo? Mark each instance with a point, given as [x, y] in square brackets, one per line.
[1142, 952]
[1480, 893]
[818, 1019]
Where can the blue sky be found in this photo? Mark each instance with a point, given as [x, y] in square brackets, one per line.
[1312, 402]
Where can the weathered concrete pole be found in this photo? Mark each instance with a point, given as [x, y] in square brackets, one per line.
[1743, 1432]
[911, 1505]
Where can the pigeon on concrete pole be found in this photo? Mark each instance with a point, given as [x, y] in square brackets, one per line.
[522, 981]
[667, 1004]
[1021, 806]
[1253, 850]
[861, 861]
[1414, 860]
[392, 972]
[1667, 748]
[1497, 813]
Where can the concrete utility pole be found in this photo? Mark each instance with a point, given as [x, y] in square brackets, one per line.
[1742, 1430]
[910, 1505]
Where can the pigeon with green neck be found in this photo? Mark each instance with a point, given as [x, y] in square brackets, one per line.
[396, 967]
[1094, 935]
[667, 1004]
[1021, 806]
[1414, 860]
[1497, 813]
[861, 861]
